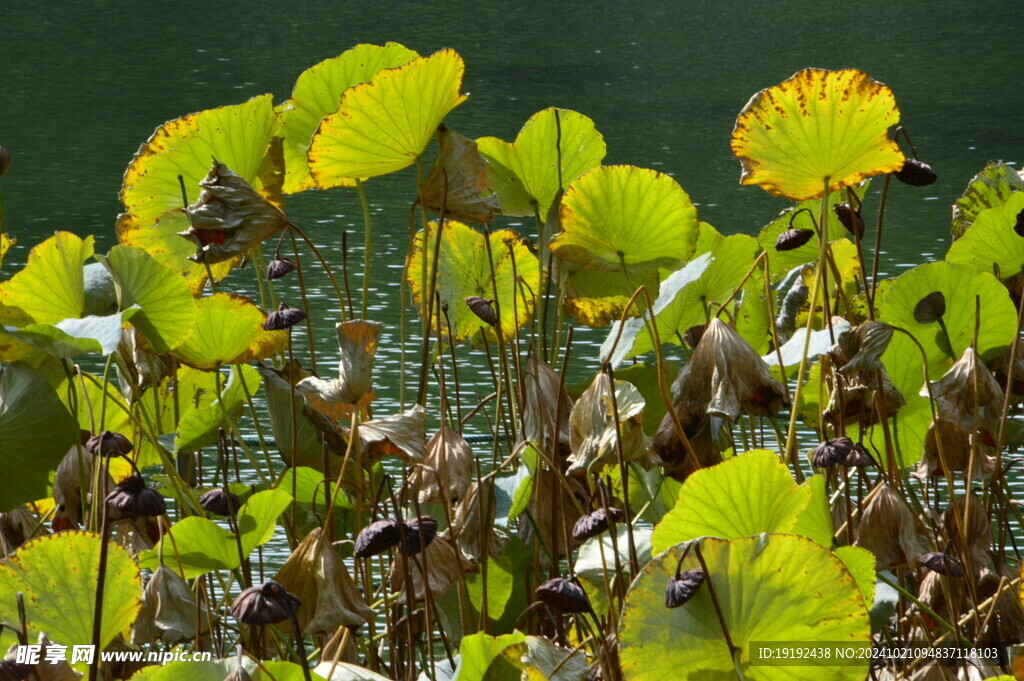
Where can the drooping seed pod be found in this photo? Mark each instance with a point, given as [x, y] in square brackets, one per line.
[832, 452]
[859, 457]
[5, 161]
[264, 604]
[483, 308]
[11, 670]
[595, 523]
[1019, 225]
[219, 502]
[133, 495]
[283, 318]
[279, 267]
[942, 563]
[915, 173]
[930, 308]
[683, 587]
[377, 537]
[109, 443]
[851, 219]
[419, 532]
[563, 596]
[693, 334]
[793, 238]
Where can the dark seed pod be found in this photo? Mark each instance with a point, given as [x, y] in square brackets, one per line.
[683, 586]
[377, 538]
[859, 457]
[132, 495]
[563, 596]
[851, 219]
[9, 669]
[1019, 225]
[793, 238]
[915, 173]
[219, 502]
[279, 267]
[693, 334]
[109, 443]
[930, 308]
[943, 563]
[832, 452]
[5, 161]
[595, 523]
[419, 532]
[483, 309]
[265, 604]
[283, 318]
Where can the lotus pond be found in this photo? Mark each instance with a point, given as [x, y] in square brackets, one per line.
[780, 449]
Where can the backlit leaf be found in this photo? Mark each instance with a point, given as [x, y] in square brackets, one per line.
[227, 326]
[988, 189]
[51, 286]
[991, 244]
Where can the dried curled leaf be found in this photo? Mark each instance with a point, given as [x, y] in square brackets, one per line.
[399, 434]
[442, 564]
[968, 395]
[544, 405]
[168, 611]
[890, 530]
[445, 473]
[458, 182]
[335, 398]
[595, 428]
[556, 511]
[956, 452]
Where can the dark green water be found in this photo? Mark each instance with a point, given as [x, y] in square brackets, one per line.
[84, 84]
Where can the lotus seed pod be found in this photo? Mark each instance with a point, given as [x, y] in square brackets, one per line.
[219, 502]
[265, 604]
[851, 219]
[419, 532]
[279, 267]
[595, 523]
[832, 452]
[109, 443]
[377, 537]
[5, 161]
[943, 563]
[793, 238]
[915, 173]
[930, 308]
[563, 596]
[483, 308]
[683, 587]
[283, 318]
[133, 495]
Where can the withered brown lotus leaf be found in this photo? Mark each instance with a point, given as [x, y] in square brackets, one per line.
[377, 537]
[267, 603]
[854, 397]
[136, 533]
[446, 471]
[419, 533]
[443, 564]
[956, 449]
[133, 495]
[860, 348]
[832, 452]
[335, 398]
[540, 388]
[458, 181]
[169, 610]
[943, 563]
[317, 576]
[76, 466]
[596, 522]
[556, 511]
[890, 530]
[693, 334]
[229, 217]
[477, 508]
[669, 448]
[137, 365]
[1003, 372]
[977, 533]
[968, 383]
[402, 435]
[930, 308]
[563, 596]
[683, 587]
[594, 430]
[16, 527]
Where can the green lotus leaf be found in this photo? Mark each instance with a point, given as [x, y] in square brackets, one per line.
[89, 399]
[51, 286]
[817, 127]
[57, 574]
[227, 329]
[100, 292]
[384, 125]
[815, 521]
[198, 427]
[307, 449]
[483, 657]
[771, 588]
[72, 337]
[623, 216]
[988, 189]
[162, 241]
[742, 496]
[792, 351]
[203, 546]
[525, 174]
[5, 244]
[782, 262]
[317, 92]
[861, 564]
[991, 244]
[754, 320]
[960, 285]
[499, 586]
[36, 430]
[595, 298]
[464, 270]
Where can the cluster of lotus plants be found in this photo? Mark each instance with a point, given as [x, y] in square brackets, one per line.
[780, 446]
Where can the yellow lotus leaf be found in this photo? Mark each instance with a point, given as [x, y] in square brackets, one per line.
[228, 330]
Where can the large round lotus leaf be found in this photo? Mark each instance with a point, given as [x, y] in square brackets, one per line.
[238, 136]
[780, 588]
[988, 189]
[861, 564]
[960, 285]
[623, 214]
[51, 286]
[596, 298]
[317, 92]
[57, 574]
[203, 546]
[525, 173]
[782, 262]
[991, 242]
[36, 430]
[160, 239]
[742, 496]
[167, 315]
[384, 125]
[819, 126]
[228, 330]
[464, 270]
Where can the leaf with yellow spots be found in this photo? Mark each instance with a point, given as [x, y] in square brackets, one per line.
[819, 127]
[317, 92]
[57, 574]
[5, 245]
[384, 125]
[228, 330]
